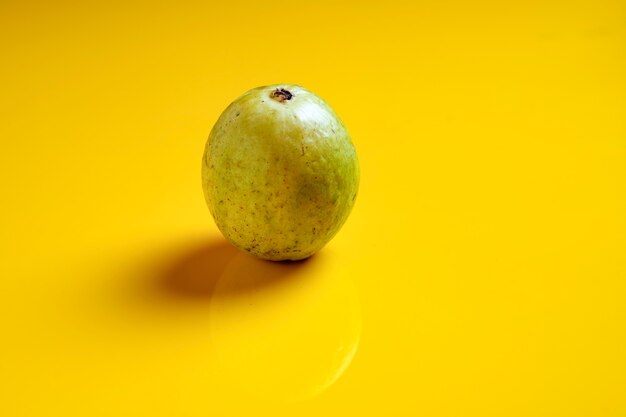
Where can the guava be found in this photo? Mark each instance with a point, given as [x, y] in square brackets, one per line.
[280, 173]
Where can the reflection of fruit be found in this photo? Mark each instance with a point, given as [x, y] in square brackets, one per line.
[283, 333]
[280, 173]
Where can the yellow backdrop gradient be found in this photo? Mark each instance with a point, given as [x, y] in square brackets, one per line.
[481, 273]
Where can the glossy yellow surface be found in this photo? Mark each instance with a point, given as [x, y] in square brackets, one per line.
[481, 273]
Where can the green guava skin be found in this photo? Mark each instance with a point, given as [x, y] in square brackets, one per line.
[280, 176]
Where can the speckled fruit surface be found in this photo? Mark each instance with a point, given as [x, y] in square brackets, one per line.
[280, 173]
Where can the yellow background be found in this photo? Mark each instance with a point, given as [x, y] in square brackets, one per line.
[481, 273]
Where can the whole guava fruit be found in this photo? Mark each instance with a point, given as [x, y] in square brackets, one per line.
[280, 173]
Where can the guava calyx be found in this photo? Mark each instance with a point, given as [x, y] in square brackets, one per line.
[280, 95]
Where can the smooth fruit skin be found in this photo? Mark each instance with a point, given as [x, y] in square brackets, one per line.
[280, 173]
